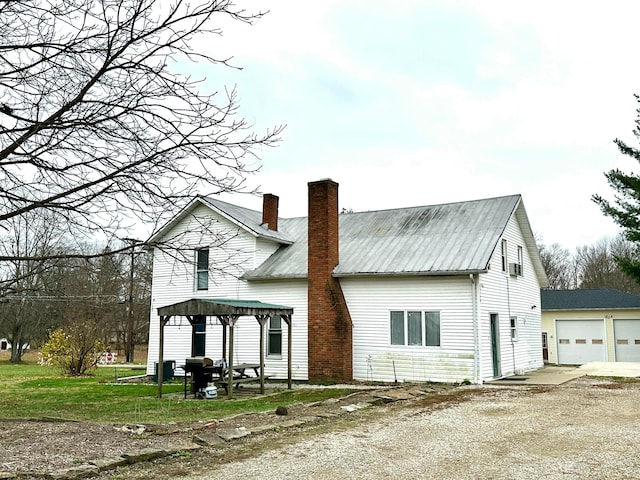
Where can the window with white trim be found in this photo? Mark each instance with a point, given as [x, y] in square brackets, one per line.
[503, 252]
[415, 328]
[520, 258]
[202, 269]
[514, 328]
[274, 336]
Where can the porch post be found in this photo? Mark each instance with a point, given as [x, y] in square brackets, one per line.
[262, 319]
[224, 341]
[159, 372]
[287, 319]
[231, 320]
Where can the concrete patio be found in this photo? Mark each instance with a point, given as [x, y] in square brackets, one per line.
[559, 374]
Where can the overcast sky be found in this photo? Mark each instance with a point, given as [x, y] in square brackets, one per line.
[423, 102]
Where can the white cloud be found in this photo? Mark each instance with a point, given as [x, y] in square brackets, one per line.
[430, 102]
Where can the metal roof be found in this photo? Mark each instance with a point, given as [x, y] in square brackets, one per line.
[588, 299]
[454, 238]
[223, 306]
[445, 239]
[250, 220]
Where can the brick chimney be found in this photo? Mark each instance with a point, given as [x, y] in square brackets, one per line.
[270, 211]
[329, 322]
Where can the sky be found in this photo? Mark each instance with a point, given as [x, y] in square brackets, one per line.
[425, 102]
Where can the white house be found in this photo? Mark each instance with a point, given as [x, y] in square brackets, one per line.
[442, 293]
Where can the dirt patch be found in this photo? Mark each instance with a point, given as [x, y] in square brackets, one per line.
[48, 445]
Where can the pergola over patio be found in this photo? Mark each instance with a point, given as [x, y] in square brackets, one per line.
[227, 312]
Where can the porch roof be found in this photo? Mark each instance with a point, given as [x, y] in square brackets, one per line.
[223, 306]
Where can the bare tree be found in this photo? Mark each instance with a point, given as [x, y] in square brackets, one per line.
[27, 311]
[133, 329]
[559, 266]
[599, 267]
[141, 300]
[97, 124]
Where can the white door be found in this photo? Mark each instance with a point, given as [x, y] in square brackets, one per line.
[627, 335]
[580, 341]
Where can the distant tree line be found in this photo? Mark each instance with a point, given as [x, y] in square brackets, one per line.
[53, 282]
[102, 131]
[589, 266]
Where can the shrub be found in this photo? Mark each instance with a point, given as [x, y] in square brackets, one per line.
[75, 349]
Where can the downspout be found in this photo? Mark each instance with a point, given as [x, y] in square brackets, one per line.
[513, 345]
[477, 331]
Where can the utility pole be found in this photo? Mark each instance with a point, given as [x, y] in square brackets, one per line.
[129, 345]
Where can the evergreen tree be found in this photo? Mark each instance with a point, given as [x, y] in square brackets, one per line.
[625, 209]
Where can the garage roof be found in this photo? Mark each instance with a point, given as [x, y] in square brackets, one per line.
[588, 299]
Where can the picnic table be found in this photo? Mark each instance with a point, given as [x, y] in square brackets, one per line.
[242, 373]
[203, 371]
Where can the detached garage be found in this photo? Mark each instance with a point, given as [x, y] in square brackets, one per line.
[590, 325]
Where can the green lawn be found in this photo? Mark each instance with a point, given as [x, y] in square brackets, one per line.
[30, 391]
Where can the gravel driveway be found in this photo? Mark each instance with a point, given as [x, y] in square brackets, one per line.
[586, 428]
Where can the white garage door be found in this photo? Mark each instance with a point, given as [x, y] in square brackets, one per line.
[627, 335]
[580, 341]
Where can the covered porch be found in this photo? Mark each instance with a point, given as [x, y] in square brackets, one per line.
[228, 313]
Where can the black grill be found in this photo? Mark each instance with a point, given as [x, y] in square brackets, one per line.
[202, 371]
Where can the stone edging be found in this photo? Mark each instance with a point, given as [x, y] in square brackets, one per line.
[218, 438]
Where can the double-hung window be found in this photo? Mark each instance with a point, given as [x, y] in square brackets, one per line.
[202, 269]
[415, 328]
[274, 338]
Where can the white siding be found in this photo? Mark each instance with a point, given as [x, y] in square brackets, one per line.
[293, 294]
[264, 249]
[174, 281]
[370, 301]
[510, 296]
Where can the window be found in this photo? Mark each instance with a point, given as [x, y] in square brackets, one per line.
[505, 265]
[397, 328]
[520, 258]
[274, 339]
[415, 328]
[514, 328]
[202, 269]
[432, 320]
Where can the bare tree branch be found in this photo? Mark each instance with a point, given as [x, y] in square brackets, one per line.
[96, 123]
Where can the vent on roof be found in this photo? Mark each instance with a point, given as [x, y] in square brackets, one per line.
[515, 269]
